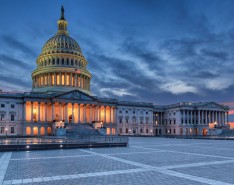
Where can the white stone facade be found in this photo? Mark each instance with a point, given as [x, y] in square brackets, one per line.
[61, 94]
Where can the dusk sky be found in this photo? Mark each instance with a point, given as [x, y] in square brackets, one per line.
[153, 51]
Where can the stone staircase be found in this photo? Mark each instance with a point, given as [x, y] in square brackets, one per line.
[84, 129]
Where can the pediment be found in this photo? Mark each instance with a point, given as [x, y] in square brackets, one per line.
[212, 105]
[75, 95]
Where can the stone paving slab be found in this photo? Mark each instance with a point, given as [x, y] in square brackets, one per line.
[45, 153]
[147, 161]
[146, 178]
[43, 168]
[164, 158]
[216, 172]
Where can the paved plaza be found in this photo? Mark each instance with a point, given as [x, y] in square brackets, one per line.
[145, 161]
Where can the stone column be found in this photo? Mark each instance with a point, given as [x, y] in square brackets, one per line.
[100, 114]
[71, 80]
[191, 118]
[206, 117]
[78, 113]
[84, 82]
[110, 114]
[55, 79]
[39, 111]
[96, 113]
[161, 118]
[199, 121]
[227, 118]
[223, 117]
[66, 112]
[31, 111]
[46, 112]
[73, 120]
[104, 114]
[65, 79]
[52, 111]
[60, 79]
[84, 111]
[25, 111]
[76, 80]
[60, 111]
[202, 117]
[90, 114]
[216, 116]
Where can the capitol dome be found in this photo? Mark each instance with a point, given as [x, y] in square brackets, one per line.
[61, 67]
[61, 44]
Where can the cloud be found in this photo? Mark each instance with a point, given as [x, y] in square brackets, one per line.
[8, 61]
[15, 44]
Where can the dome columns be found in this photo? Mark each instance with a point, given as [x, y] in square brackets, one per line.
[58, 79]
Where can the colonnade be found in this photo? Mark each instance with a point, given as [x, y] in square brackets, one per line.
[62, 79]
[203, 116]
[68, 112]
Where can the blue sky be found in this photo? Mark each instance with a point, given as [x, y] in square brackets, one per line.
[154, 51]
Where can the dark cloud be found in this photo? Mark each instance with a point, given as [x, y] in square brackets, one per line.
[221, 55]
[13, 43]
[8, 61]
[15, 81]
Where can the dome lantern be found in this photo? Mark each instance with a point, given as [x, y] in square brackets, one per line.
[62, 24]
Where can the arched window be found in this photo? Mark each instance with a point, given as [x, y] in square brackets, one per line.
[67, 61]
[72, 62]
[53, 61]
[57, 61]
[62, 61]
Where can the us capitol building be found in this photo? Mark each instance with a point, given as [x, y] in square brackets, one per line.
[61, 96]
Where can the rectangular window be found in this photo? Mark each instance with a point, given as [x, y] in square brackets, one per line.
[2, 130]
[12, 117]
[2, 105]
[52, 79]
[12, 106]
[57, 80]
[62, 79]
[126, 130]
[46, 80]
[12, 130]
[42, 81]
[73, 81]
[120, 131]
[68, 80]
[2, 117]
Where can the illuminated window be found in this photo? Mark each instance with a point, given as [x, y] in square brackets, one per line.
[57, 79]
[41, 81]
[63, 79]
[78, 81]
[46, 80]
[52, 80]
[68, 78]
[73, 81]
